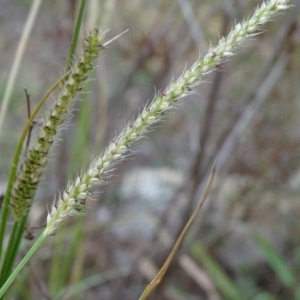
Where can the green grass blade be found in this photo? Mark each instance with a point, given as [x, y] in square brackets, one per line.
[71, 291]
[17, 237]
[226, 286]
[252, 291]
[9, 254]
[81, 142]
[276, 262]
[71, 55]
[20, 266]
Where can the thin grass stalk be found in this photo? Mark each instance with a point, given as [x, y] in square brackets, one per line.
[75, 37]
[23, 262]
[73, 199]
[12, 249]
[79, 148]
[105, 18]
[8, 254]
[160, 275]
[55, 277]
[17, 60]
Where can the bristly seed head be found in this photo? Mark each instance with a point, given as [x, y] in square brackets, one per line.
[116, 151]
[26, 182]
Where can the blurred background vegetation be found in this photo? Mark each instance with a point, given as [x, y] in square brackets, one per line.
[245, 243]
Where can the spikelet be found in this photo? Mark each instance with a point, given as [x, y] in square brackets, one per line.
[29, 174]
[73, 199]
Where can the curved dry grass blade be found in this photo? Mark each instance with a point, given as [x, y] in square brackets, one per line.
[160, 275]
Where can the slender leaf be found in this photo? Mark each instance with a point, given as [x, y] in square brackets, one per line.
[226, 286]
[276, 262]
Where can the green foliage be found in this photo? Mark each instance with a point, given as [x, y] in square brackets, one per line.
[222, 281]
[279, 265]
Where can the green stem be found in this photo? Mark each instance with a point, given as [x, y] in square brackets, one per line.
[8, 253]
[22, 264]
[70, 59]
[12, 248]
